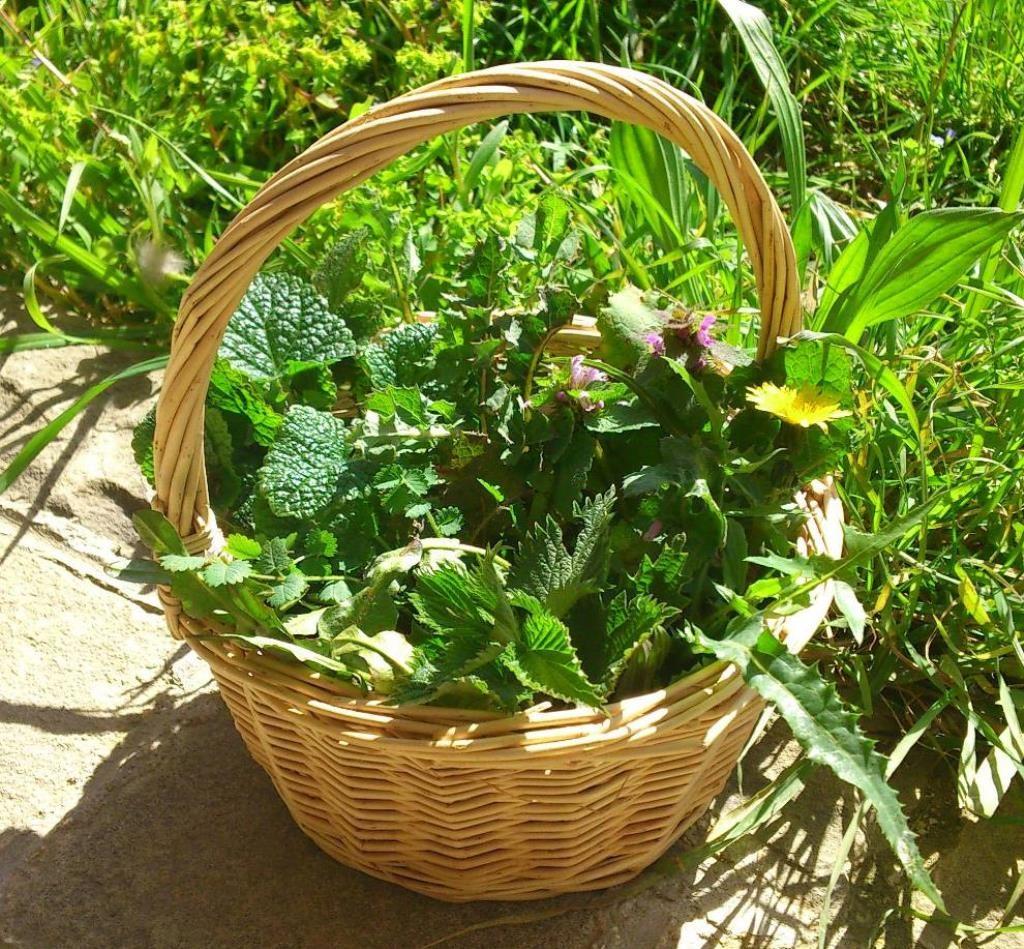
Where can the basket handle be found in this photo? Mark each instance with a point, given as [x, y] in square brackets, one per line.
[356, 150]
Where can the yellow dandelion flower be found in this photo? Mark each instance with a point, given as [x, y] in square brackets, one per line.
[805, 406]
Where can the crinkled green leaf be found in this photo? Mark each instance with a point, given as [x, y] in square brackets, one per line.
[301, 472]
[281, 325]
[401, 357]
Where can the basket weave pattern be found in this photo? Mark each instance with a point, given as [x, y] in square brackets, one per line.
[462, 805]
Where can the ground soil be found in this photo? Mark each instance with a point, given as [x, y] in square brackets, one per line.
[131, 816]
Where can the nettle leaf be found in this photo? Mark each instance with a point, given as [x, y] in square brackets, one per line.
[544, 660]
[454, 600]
[828, 731]
[545, 569]
[301, 472]
[664, 576]
[219, 573]
[283, 325]
[630, 624]
[440, 662]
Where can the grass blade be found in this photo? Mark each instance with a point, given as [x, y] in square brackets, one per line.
[756, 33]
[51, 430]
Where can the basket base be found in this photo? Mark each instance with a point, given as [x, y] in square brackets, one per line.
[465, 833]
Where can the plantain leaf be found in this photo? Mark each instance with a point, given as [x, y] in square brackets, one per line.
[828, 732]
[922, 260]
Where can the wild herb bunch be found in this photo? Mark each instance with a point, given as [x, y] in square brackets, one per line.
[474, 507]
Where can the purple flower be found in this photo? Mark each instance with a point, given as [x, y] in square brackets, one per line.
[704, 337]
[653, 531]
[580, 376]
[656, 342]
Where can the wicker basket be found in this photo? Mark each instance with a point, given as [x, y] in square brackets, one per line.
[462, 805]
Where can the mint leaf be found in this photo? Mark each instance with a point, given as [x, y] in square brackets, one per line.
[281, 326]
[301, 472]
[221, 573]
[545, 661]
[181, 563]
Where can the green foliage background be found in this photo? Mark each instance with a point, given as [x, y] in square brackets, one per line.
[131, 131]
